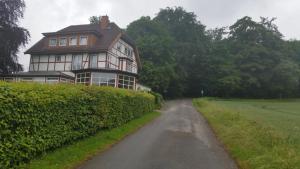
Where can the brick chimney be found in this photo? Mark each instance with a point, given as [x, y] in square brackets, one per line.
[104, 21]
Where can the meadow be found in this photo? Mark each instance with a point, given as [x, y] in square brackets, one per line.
[257, 133]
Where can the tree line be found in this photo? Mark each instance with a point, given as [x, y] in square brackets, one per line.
[182, 58]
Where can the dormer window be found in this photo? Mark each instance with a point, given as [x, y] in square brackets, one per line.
[73, 41]
[83, 40]
[52, 42]
[62, 41]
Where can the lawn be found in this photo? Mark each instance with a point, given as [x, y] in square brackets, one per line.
[73, 155]
[257, 133]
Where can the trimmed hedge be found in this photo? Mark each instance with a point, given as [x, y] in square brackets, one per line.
[35, 118]
[158, 99]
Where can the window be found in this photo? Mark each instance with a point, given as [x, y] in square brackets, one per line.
[57, 58]
[73, 41]
[126, 82]
[130, 53]
[9, 79]
[83, 78]
[65, 80]
[52, 42]
[52, 80]
[62, 41]
[26, 79]
[126, 51]
[83, 40]
[77, 62]
[128, 66]
[119, 46]
[93, 60]
[104, 79]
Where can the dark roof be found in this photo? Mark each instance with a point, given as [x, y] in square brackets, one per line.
[105, 38]
[87, 28]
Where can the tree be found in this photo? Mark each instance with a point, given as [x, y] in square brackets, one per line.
[191, 45]
[157, 54]
[247, 59]
[11, 35]
[94, 19]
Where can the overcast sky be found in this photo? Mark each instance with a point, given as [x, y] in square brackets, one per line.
[52, 15]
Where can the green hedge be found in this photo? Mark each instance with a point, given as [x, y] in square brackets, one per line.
[35, 118]
[158, 99]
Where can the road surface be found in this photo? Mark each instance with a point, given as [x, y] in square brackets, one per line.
[179, 139]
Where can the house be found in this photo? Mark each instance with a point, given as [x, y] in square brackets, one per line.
[92, 54]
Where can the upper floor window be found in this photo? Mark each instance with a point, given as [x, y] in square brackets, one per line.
[77, 62]
[73, 41]
[52, 42]
[119, 46]
[93, 61]
[62, 41]
[130, 53]
[129, 66]
[83, 40]
[57, 58]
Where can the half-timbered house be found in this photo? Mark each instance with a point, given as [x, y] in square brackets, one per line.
[92, 54]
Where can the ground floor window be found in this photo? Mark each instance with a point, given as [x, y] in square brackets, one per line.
[26, 79]
[83, 78]
[9, 79]
[126, 82]
[103, 79]
[52, 80]
[65, 80]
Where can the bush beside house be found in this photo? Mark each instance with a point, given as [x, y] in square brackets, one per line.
[35, 118]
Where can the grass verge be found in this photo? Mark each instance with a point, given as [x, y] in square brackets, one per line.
[73, 155]
[253, 143]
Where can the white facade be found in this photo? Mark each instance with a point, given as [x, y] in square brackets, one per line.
[120, 57]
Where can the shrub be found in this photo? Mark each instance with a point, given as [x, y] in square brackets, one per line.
[35, 118]
[158, 99]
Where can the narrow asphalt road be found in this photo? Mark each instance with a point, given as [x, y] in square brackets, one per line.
[179, 139]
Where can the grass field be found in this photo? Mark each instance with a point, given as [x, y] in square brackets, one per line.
[259, 134]
[72, 155]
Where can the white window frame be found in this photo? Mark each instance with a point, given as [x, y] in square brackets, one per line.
[72, 38]
[93, 61]
[60, 41]
[26, 79]
[77, 62]
[51, 39]
[52, 80]
[80, 42]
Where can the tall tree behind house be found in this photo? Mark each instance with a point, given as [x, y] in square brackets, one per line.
[248, 59]
[11, 35]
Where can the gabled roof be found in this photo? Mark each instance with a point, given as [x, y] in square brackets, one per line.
[87, 28]
[104, 41]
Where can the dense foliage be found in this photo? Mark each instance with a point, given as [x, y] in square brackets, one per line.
[11, 35]
[248, 59]
[35, 118]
